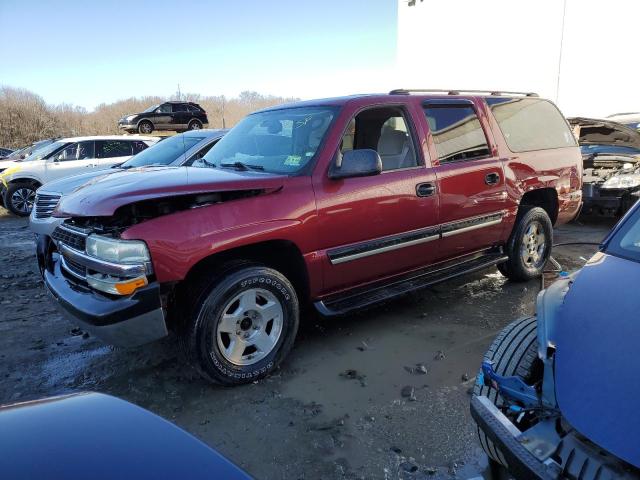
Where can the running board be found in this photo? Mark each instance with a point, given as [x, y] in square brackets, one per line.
[345, 302]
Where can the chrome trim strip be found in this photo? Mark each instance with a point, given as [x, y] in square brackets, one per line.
[75, 230]
[472, 227]
[102, 266]
[389, 248]
[70, 270]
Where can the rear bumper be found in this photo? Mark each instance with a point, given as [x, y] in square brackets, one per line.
[128, 321]
[503, 434]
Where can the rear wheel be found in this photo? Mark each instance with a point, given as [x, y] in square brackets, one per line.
[529, 246]
[19, 198]
[145, 127]
[194, 125]
[513, 352]
[242, 325]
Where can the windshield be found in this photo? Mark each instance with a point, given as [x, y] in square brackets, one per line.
[626, 241]
[150, 109]
[164, 152]
[277, 141]
[17, 155]
[43, 152]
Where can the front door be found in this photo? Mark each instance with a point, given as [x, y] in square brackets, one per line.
[75, 158]
[470, 177]
[377, 226]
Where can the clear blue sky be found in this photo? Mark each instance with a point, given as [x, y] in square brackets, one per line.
[88, 52]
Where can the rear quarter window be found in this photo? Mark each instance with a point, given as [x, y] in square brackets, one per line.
[531, 124]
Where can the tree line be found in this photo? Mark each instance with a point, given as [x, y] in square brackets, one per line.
[25, 117]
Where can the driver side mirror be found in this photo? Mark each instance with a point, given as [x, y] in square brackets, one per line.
[363, 162]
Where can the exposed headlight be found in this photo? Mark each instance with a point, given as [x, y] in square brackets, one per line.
[117, 251]
[622, 181]
[130, 117]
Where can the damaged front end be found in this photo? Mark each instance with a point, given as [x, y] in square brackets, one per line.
[611, 183]
[528, 429]
[611, 165]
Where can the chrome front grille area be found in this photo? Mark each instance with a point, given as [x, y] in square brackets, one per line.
[45, 204]
[72, 237]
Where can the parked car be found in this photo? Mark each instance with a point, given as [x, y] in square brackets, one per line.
[176, 116]
[341, 203]
[63, 158]
[186, 149]
[611, 159]
[4, 152]
[23, 153]
[557, 396]
[631, 120]
[91, 435]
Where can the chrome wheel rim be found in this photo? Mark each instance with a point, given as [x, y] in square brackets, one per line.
[145, 128]
[533, 245]
[249, 327]
[23, 199]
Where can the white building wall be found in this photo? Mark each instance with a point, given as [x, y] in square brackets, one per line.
[515, 45]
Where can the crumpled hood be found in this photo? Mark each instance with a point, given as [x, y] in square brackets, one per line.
[597, 360]
[104, 194]
[69, 184]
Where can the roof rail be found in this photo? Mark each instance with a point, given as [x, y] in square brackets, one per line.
[407, 91]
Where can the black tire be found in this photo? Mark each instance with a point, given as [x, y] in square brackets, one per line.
[519, 268]
[201, 336]
[145, 127]
[194, 125]
[19, 198]
[514, 352]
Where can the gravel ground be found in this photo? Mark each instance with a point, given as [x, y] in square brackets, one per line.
[352, 401]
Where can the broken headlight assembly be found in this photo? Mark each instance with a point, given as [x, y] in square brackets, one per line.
[130, 256]
[623, 181]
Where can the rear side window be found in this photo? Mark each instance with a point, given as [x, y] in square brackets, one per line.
[179, 107]
[194, 109]
[138, 146]
[531, 124]
[113, 148]
[457, 132]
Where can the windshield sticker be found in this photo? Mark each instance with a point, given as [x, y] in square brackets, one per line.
[293, 160]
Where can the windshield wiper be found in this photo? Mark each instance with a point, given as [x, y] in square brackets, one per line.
[242, 166]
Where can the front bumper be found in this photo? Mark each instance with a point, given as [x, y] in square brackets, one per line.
[569, 457]
[607, 201]
[127, 126]
[127, 321]
[43, 226]
[504, 435]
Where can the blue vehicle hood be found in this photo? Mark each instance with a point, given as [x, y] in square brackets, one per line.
[99, 437]
[597, 360]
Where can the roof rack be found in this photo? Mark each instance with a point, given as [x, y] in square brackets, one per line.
[407, 91]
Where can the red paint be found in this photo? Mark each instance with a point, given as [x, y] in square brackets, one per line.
[317, 213]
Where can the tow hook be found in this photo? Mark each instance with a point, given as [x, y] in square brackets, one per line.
[512, 389]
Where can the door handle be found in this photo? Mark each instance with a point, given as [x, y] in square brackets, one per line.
[492, 178]
[425, 189]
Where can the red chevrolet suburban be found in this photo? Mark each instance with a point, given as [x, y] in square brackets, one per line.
[340, 203]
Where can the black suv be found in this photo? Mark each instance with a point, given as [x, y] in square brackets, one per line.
[176, 116]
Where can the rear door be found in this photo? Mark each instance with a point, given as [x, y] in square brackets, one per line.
[181, 115]
[75, 158]
[374, 227]
[470, 176]
[112, 152]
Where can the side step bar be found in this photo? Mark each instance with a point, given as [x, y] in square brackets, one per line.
[345, 302]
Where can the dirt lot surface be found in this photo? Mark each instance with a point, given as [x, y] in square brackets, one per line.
[315, 418]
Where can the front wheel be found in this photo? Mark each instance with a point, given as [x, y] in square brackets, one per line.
[529, 246]
[243, 325]
[145, 127]
[513, 352]
[19, 198]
